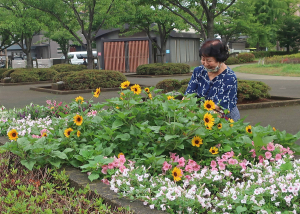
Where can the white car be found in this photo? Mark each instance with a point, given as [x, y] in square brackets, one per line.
[77, 57]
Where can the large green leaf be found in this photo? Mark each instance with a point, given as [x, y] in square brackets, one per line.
[123, 137]
[28, 163]
[93, 176]
[168, 137]
[58, 154]
[116, 124]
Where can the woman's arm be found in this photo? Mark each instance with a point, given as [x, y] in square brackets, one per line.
[193, 83]
[227, 95]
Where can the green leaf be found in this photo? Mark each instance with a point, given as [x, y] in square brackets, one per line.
[168, 137]
[286, 166]
[58, 154]
[107, 151]
[159, 150]
[241, 209]
[123, 137]
[268, 139]
[86, 153]
[93, 176]
[296, 148]
[177, 124]
[67, 150]
[258, 141]
[116, 124]
[55, 162]
[180, 146]
[134, 130]
[227, 148]
[155, 128]
[28, 163]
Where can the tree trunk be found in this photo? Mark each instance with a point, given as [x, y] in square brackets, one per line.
[29, 60]
[210, 26]
[27, 51]
[90, 58]
[288, 49]
[163, 45]
[257, 46]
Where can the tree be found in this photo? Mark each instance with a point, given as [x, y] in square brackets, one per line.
[191, 10]
[156, 19]
[288, 33]
[22, 23]
[90, 15]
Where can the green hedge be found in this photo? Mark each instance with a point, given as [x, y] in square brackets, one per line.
[45, 74]
[2, 70]
[245, 57]
[9, 71]
[293, 58]
[247, 90]
[68, 67]
[262, 54]
[232, 60]
[24, 75]
[163, 69]
[59, 77]
[92, 79]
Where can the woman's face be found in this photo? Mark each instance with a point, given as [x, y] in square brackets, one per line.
[209, 62]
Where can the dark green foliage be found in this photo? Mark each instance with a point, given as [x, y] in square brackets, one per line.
[92, 79]
[168, 85]
[2, 70]
[262, 54]
[24, 75]
[68, 67]
[232, 60]
[46, 74]
[9, 71]
[163, 69]
[252, 90]
[246, 57]
[183, 88]
[185, 81]
[58, 77]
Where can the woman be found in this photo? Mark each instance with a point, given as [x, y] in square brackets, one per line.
[214, 80]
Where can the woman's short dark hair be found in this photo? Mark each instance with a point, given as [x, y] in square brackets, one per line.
[214, 48]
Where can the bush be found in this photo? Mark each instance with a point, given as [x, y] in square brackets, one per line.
[9, 71]
[168, 85]
[163, 69]
[59, 76]
[252, 90]
[245, 57]
[183, 88]
[293, 58]
[24, 75]
[45, 74]
[262, 54]
[185, 81]
[92, 79]
[68, 67]
[2, 70]
[232, 60]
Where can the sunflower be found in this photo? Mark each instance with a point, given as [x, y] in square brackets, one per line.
[170, 98]
[120, 154]
[177, 174]
[136, 89]
[97, 92]
[147, 90]
[274, 129]
[197, 141]
[78, 133]
[231, 121]
[78, 119]
[68, 132]
[208, 120]
[79, 99]
[117, 107]
[12, 134]
[214, 150]
[150, 96]
[249, 129]
[209, 105]
[44, 134]
[208, 127]
[219, 125]
[125, 84]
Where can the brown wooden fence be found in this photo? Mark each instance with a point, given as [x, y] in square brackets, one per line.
[126, 56]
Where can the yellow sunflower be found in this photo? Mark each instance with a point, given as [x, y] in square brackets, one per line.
[214, 150]
[209, 105]
[150, 96]
[274, 129]
[136, 89]
[97, 92]
[79, 99]
[120, 154]
[219, 125]
[197, 141]
[125, 84]
[117, 107]
[67, 132]
[177, 174]
[231, 121]
[78, 133]
[78, 119]
[44, 134]
[208, 120]
[122, 94]
[170, 98]
[208, 127]
[12, 134]
[249, 129]
[147, 90]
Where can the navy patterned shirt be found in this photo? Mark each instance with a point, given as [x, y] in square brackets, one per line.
[223, 88]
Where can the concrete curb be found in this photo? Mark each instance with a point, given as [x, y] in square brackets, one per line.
[154, 76]
[24, 83]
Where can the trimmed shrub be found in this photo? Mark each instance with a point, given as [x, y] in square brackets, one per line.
[289, 59]
[163, 69]
[245, 57]
[262, 54]
[45, 74]
[252, 90]
[168, 85]
[24, 75]
[2, 70]
[59, 76]
[232, 60]
[183, 88]
[92, 79]
[9, 71]
[185, 81]
[68, 67]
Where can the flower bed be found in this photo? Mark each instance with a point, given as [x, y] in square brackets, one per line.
[133, 142]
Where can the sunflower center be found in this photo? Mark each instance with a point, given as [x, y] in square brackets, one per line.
[69, 132]
[206, 120]
[249, 130]
[208, 106]
[135, 89]
[78, 119]
[219, 125]
[14, 134]
[175, 174]
[213, 151]
[197, 142]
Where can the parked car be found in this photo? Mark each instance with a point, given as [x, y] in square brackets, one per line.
[77, 57]
[18, 58]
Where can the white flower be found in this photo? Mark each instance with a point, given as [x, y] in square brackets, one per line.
[145, 203]
[234, 197]
[243, 201]
[277, 204]
[151, 206]
[229, 206]
[163, 207]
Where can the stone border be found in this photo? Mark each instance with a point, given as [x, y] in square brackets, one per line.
[24, 83]
[153, 76]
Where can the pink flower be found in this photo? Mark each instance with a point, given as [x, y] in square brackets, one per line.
[278, 157]
[48, 102]
[214, 169]
[122, 168]
[111, 165]
[270, 147]
[232, 161]
[213, 164]
[166, 166]
[222, 166]
[268, 155]
[263, 148]
[188, 177]
[59, 103]
[105, 181]
[197, 168]
[43, 131]
[192, 162]
[104, 170]
[189, 168]
[225, 157]
[122, 159]
[218, 145]
[35, 136]
[181, 162]
[261, 159]
[243, 165]
[173, 156]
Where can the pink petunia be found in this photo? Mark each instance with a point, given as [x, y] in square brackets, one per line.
[111, 165]
[188, 177]
[213, 164]
[261, 159]
[122, 168]
[105, 181]
[48, 102]
[270, 147]
[268, 155]
[278, 157]
[243, 165]
[232, 161]
[222, 166]
[197, 168]
[189, 168]
[166, 166]
[181, 162]
[192, 162]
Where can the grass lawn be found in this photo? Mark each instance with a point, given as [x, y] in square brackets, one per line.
[292, 70]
